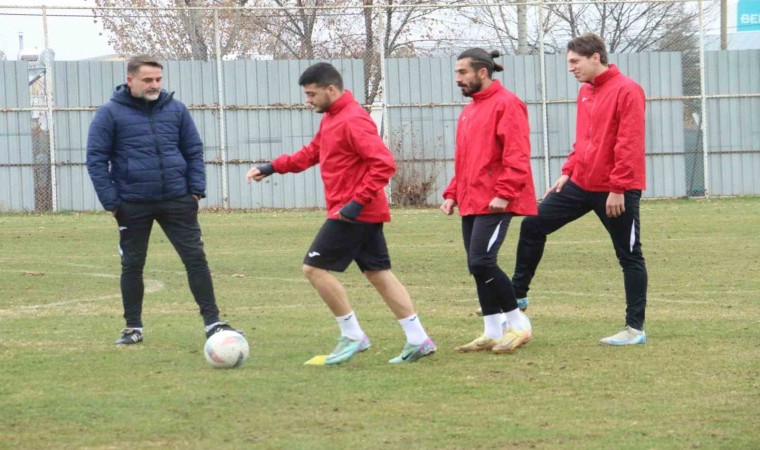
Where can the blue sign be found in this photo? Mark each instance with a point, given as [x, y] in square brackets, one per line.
[748, 15]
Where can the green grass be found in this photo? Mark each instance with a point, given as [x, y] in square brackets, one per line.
[63, 384]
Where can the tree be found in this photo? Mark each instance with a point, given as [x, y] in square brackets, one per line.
[351, 29]
[184, 33]
[289, 31]
[506, 22]
[280, 29]
[626, 27]
[410, 30]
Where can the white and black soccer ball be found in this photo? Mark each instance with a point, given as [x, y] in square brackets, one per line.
[226, 349]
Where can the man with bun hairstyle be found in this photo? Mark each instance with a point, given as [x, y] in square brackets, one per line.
[604, 173]
[492, 183]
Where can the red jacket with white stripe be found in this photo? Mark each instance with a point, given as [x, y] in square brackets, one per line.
[608, 153]
[354, 162]
[492, 156]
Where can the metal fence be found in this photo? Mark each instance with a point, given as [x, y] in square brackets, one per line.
[237, 69]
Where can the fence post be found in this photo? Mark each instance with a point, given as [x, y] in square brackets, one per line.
[383, 87]
[222, 129]
[544, 112]
[50, 119]
[385, 132]
[703, 96]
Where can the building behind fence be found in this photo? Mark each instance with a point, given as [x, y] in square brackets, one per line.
[703, 108]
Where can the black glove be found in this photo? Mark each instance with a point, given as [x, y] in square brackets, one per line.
[266, 169]
[351, 210]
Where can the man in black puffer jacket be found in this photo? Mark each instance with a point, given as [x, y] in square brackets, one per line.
[145, 159]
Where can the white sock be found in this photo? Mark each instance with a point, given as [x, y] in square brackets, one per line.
[493, 326]
[518, 320]
[412, 326]
[349, 326]
[504, 322]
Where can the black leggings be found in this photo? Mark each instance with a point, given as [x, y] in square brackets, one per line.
[571, 203]
[483, 236]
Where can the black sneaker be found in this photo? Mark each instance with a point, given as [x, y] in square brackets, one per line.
[130, 336]
[222, 326]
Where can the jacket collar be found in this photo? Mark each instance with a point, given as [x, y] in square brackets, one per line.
[346, 98]
[611, 72]
[492, 89]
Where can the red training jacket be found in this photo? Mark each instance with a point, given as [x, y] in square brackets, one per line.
[492, 156]
[354, 162]
[608, 153]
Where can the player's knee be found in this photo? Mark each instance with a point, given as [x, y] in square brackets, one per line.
[530, 225]
[311, 272]
[132, 264]
[631, 262]
[194, 259]
[483, 269]
[376, 276]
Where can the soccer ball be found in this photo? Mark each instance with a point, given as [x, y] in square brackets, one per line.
[226, 349]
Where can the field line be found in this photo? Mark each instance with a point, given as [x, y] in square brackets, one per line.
[151, 286]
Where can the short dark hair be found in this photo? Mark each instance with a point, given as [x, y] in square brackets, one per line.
[134, 63]
[480, 59]
[323, 75]
[587, 44]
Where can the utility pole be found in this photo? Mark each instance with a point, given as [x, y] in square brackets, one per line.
[723, 24]
[522, 28]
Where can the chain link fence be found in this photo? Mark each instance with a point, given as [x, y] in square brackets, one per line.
[236, 63]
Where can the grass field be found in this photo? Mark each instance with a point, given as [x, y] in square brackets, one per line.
[696, 384]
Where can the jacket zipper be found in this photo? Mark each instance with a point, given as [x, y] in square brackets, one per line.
[158, 153]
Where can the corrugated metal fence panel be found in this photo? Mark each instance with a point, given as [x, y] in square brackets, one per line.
[561, 92]
[733, 123]
[17, 176]
[91, 84]
[251, 135]
[194, 83]
[425, 135]
[423, 138]
[522, 75]
[79, 84]
[255, 136]
[660, 75]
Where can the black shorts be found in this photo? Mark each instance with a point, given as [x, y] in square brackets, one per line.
[338, 243]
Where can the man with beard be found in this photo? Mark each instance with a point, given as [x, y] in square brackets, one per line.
[604, 173]
[355, 166]
[145, 159]
[492, 183]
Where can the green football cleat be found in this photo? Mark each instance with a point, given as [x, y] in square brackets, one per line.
[346, 349]
[412, 353]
